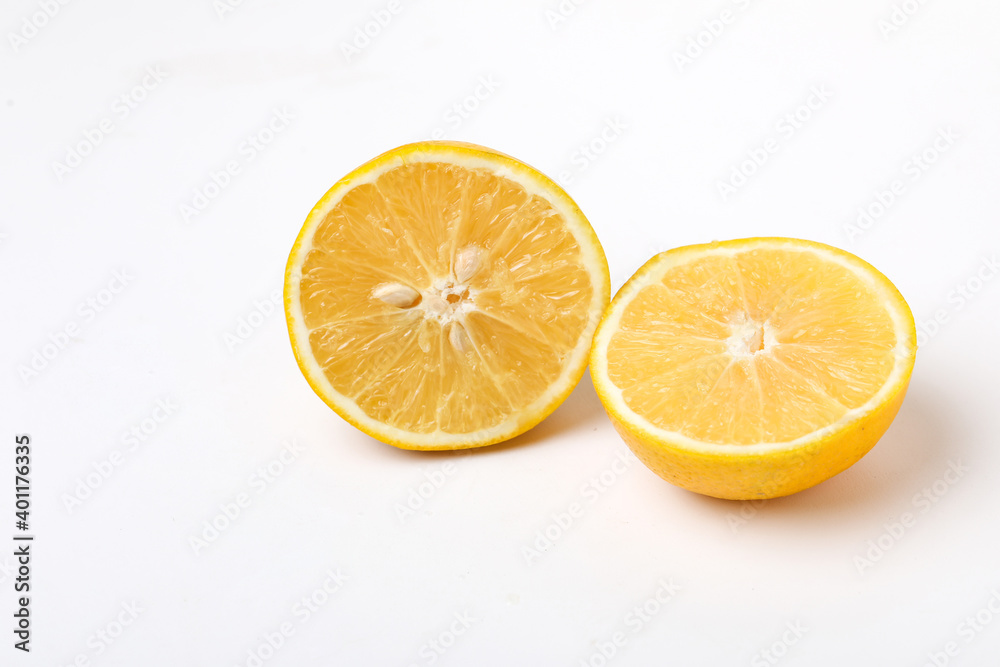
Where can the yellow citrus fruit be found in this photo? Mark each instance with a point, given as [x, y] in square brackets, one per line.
[753, 368]
[444, 296]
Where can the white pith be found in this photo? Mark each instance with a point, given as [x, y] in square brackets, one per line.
[749, 337]
[446, 301]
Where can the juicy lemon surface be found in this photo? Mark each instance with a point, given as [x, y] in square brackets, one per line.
[753, 368]
[444, 296]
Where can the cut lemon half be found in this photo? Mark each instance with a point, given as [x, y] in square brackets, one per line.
[753, 368]
[444, 296]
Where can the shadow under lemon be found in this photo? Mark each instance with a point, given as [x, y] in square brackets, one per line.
[581, 411]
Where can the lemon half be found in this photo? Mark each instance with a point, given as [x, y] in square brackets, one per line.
[753, 368]
[444, 296]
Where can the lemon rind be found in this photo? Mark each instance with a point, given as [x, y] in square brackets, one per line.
[653, 270]
[473, 157]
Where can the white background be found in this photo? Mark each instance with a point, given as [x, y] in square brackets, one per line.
[824, 559]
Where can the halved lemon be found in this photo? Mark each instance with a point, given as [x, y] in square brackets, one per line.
[753, 368]
[444, 296]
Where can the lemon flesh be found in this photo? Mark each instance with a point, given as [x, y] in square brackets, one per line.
[753, 368]
[444, 296]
